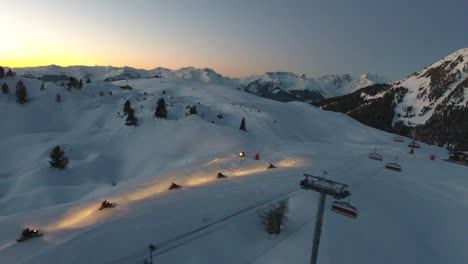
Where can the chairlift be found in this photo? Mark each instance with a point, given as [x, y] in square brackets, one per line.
[344, 208]
[375, 156]
[393, 166]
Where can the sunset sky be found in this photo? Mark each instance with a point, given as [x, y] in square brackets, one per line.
[236, 38]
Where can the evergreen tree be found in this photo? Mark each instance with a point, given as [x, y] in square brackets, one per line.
[58, 159]
[132, 120]
[10, 73]
[2, 72]
[80, 84]
[242, 125]
[101, 93]
[21, 93]
[127, 107]
[161, 111]
[88, 80]
[193, 110]
[42, 87]
[73, 83]
[58, 98]
[5, 88]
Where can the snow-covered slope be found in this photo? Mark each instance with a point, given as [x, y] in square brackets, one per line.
[435, 100]
[443, 83]
[417, 214]
[285, 86]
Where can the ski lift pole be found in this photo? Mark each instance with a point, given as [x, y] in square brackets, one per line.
[318, 228]
[324, 187]
[151, 248]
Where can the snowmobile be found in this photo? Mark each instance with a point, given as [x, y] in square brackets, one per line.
[221, 175]
[174, 186]
[398, 139]
[106, 204]
[271, 166]
[242, 154]
[28, 233]
[414, 145]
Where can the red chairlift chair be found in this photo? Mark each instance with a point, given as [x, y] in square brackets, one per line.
[344, 208]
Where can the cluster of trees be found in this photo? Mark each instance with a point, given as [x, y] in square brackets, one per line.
[21, 92]
[74, 83]
[9, 73]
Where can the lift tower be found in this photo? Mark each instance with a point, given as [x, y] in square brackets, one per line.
[324, 187]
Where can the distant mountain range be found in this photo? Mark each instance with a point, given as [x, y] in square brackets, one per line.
[434, 101]
[280, 86]
[111, 74]
[285, 86]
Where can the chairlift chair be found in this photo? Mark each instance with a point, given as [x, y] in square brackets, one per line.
[344, 208]
[393, 166]
[375, 156]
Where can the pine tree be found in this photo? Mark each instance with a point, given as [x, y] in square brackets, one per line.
[58, 98]
[58, 159]
[10, 73]
[80, 84]
[2, 72]
[21, 93]
[127, 107]
[42, 87]
[101, 93]
[132, 120]
[161, 111]
[73, 83]
[88, 80]
[242, 125]
[5, 88]
[193, 110]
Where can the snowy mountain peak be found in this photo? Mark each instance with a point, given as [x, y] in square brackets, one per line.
[287, 86]
[435, 100]
[110, 74]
